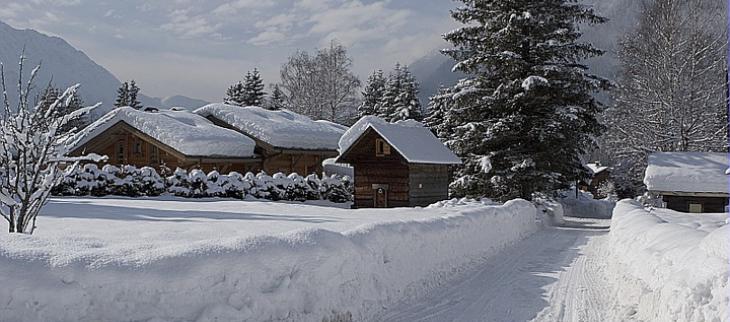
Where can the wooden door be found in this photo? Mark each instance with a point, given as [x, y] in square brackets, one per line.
[380, 195]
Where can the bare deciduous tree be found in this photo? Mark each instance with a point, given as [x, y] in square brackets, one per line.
[321, 86]
[32, 151]
[672, 90]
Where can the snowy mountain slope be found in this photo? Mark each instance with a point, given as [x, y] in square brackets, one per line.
[64, 65]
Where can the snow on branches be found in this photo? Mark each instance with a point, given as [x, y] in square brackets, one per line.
[33, 150]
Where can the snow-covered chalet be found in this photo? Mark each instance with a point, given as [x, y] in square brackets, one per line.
[692, 182]
[214, 137]
[398, 164]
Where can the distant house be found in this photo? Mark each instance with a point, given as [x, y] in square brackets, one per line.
[173, 138]
[599, 174]
[286, 141]
[396, 164]
[689, 181]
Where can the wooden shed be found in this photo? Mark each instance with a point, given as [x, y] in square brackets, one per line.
[286, 141]
[171, 138]
[396, 164]
[693, 182]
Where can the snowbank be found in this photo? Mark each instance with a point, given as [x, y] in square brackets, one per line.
[668, 271]
[188, 133]
[303, 275]
[281, 129]
[410, 138]
[585, 206]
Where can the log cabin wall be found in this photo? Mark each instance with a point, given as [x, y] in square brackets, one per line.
[371, 169]
[428, 184]
[708, 204]
[124, 146]
[303, 164]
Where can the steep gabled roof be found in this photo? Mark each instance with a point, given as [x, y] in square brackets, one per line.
[411, 139]
[282, 129]
[188, 133]
[694, 172]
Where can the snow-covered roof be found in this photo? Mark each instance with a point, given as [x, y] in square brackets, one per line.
[282, 128]
[595, 167]
[410, 138]
[694, 172]
[188, 133]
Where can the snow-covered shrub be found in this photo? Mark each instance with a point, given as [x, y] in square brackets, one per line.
[198, 183]
[91, 181]
[151, 184]
[281, 184]
[298, 189]
[178, 183]
[263, 185]
[312, 181]
[35, 140]
[214, 184]
[334, 189]
[607, 189]
[235, 185]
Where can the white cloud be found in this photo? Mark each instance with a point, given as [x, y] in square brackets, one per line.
[188, 26]
[233, 7]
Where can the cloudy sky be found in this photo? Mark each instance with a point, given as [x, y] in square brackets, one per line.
[196, 47]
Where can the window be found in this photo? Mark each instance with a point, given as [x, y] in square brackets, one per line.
[137, 147]
[154, 154]
[695, 208]
[120, 152]
[381, 148]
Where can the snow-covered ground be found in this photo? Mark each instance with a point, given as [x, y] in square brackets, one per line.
[671, 266]
[184, 259]
[558, 274]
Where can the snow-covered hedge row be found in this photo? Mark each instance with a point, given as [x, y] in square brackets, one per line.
[668, 272]
[310, 275]
[133, 182]
[585, 206]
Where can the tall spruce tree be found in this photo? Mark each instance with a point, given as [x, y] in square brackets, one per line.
[122, 95]
[526, 114]
[127, 95]
[372, 94]
[253, 89]
[439, 117]
[133, 93]
[277, 100]
[409, 106]
[390, 102]
[234, 95]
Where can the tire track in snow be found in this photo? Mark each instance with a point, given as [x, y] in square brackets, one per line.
[554, 275]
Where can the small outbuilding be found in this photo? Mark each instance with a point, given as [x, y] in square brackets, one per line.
[396, 164]
[694, 182]
[598, 175]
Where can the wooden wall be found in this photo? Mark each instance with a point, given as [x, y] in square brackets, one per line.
[303, 164]
[709, 204]
[428, 184]
[391, 170]
[124, 147]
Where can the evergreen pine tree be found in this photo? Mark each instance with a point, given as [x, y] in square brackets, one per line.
[253, 89]
[439, 117]
[122, 95]
[373, 94]
[390, 102]
[408, 106]
[526, 114]
[234, 95]
[132, 98]
[277, 100]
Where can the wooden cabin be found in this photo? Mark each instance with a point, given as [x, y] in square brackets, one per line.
[598, 175]
[694, 182]
[170, 138]
[286, 141]
[396, 164]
